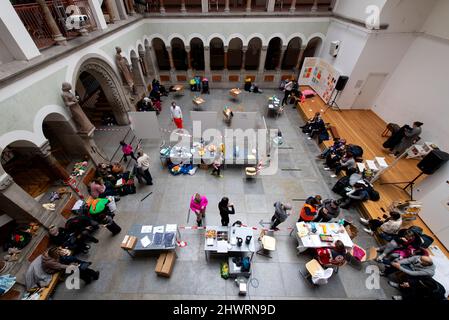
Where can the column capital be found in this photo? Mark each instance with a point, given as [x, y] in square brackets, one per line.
[206, 48]
[225, 48]
[265, 48]
[187, 48]
[168, 48]
[304, 47]
[45, 149]
[5, 181]
[244, 48]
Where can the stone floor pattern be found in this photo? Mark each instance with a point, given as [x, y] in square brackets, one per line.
[193, 277]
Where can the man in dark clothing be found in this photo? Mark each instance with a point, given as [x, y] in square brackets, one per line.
[280, 214]
[329, 210]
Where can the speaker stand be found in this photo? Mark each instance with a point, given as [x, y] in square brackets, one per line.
[333, 104]
[410, 184]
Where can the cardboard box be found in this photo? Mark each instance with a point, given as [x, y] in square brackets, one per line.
[129, 242]
[165, 264]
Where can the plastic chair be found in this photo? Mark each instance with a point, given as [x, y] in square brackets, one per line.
[316, 273]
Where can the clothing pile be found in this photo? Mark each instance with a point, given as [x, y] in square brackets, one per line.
[79, 169]
[181, 169]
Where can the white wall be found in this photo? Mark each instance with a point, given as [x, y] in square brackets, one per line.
[5, 55]
[406, 15]
[438, 23]
[418, 91]
[355, 9]
[381, 54]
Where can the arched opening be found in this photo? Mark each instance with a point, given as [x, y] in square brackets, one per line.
[216, 54]
[161, 53]
[291, 54]
[235, 54]
[101, 93]
[273, 53]
[253, 54]
[179, 54]
[197, 53]
[312, 49]
[21, 160]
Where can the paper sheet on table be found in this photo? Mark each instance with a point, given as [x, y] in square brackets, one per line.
[145, 241]
[222, 246]
[146, 229]
[170, 228]
[312, 241]
[158, 229]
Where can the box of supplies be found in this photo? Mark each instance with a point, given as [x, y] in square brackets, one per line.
[129, 242]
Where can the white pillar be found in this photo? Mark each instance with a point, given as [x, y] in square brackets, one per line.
[95, 6]
[227, 6]
[183, 6]
[263, 56]
[121, 9]
[293, 6]
[315, 6]
[204, 6]
[248, 5]
[207, 60]
[14, 35]
[270, 6]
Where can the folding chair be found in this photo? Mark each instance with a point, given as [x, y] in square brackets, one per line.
[267, 244]
[312, 269]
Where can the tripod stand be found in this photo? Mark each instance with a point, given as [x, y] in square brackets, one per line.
[333, 103]
[410, 184]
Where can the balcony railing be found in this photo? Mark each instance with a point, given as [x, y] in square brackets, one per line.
[34, 20]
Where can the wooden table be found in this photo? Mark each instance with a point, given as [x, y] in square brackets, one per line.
[179, 89]
[198, 101]
[235, 93]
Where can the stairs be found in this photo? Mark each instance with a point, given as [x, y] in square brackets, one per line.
[96, 107]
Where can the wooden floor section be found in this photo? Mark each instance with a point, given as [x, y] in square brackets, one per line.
[364, 128]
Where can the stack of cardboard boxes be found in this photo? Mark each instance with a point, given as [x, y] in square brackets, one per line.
[165, 264]
[129, 242]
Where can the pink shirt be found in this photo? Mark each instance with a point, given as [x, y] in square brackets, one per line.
[96, 189]
[195, 206]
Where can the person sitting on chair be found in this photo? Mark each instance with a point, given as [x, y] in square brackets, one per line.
[328, 210]
[336, 256]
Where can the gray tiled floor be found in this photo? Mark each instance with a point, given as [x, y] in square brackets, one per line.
[193, 277]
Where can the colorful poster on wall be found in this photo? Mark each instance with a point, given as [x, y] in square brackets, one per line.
[320, 75]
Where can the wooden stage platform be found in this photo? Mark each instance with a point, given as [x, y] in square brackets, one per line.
[364, 128]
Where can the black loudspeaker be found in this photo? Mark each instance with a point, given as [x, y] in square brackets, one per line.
[433, 161]
[341, 83]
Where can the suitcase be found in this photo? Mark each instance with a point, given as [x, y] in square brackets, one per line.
[114, 228]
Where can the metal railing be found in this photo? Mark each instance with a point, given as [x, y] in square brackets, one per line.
[34, 21]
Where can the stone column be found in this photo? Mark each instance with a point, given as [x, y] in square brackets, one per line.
[139, 81]
[56, 33]
[293, 6]
[183, 6]
[263, 56]
[54, 165]
[131, 9]
[152, 61]
[143, 63]
[300, 56]
[248, 5]
[110, 10]
[28, 209]
[95, 6]
[172, 65]
[204, 6]
[189, 62]
[161, 6]
[315, 6]
[283, 49]
[207, 60]
[225, 58]
[270, 6]
[244, 49]
[94, 152]
[226, 9]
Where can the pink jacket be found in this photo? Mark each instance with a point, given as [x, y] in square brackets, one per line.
[127, 149]
[198, 206]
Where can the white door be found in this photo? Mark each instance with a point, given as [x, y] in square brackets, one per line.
[369, 91]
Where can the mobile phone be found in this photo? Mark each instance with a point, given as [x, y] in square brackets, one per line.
[383, 210]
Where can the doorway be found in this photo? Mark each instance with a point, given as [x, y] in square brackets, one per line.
[369, 91]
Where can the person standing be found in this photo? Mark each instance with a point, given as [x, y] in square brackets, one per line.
[216, 167]
[226, 209]
[176, 113]
[127, 150]
[143, 163]
[287, 91]
[411, 135]
[280, 214]
[198, 204]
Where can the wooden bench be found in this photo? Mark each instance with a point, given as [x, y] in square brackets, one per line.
[334, 132]
[46, 292]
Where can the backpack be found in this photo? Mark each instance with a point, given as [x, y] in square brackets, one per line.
[427, 241]
[245, 264]
[373, 194]
[98, 206]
